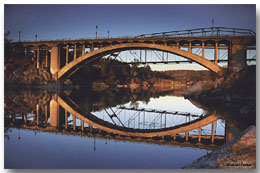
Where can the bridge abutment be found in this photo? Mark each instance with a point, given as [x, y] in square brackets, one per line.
[237, 57]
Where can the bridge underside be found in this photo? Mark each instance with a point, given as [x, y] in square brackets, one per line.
[76, 64]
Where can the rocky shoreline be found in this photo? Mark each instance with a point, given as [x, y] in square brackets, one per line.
[238, 154]
[233, 96]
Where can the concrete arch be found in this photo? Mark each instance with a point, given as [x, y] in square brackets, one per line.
[93, 121]
[77, 63]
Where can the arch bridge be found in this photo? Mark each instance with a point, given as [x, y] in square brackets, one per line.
[65, 57]
[84, 123]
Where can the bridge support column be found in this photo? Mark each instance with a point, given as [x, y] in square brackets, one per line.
[91, 47]
[25, 118]
[25, 51]
[55, 60]
[75, 51]
[54, 113]
[174, 137]
[178, 45]
[46, 112]
[186, 136]
[37, 114]
[213, 131]
[236, 57]
[67, 54]
[203, 49]
[216, 53]
[190, 49]
[47, 58]
[83, 49]
[82, 125]
[74, 122]
[38, 58]
[199, 140]
[66, 120]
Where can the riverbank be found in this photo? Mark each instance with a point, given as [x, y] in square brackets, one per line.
[238, 154]
[236, 92]
[234, 97]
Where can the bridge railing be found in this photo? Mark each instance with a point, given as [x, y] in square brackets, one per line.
[202, 32]
[199, 32]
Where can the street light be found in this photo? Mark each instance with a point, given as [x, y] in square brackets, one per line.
[108, 33]
[19, 36]
[96, 31]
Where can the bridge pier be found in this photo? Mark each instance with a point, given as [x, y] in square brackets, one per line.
[54, 113]
[55, 60]
[236, 57]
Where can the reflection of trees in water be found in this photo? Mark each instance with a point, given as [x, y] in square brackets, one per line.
[24, 101]
[91, 100]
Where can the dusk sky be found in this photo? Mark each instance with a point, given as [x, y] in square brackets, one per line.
[79, 21]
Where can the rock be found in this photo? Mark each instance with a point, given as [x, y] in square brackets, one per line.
[228, 98]
[244, 110]
[238, 154]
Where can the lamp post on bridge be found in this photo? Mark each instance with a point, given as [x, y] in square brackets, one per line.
[108, 34]
[96, 31]
[19, 36]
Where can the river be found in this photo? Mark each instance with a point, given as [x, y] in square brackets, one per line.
[108, 129]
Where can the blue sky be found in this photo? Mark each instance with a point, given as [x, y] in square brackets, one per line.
[79, 21]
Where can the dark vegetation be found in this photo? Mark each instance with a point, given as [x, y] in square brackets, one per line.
[114, 72]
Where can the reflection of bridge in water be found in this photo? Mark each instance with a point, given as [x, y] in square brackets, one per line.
[62, 115]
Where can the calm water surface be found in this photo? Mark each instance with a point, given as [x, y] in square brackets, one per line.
[36, 138]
